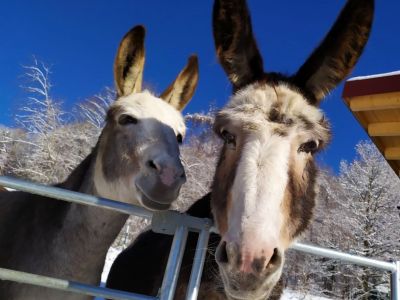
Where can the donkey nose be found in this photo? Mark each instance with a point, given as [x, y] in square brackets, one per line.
[229, 254]
[170, 173]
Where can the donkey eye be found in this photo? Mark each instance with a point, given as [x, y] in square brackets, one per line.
[309, 147]
[179, 138]
[228, 137]
[127, 119]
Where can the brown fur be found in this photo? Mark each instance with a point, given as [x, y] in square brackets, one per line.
[129, 62]
[327, 66]
[182, 89]
[247, 114]
[223, 180]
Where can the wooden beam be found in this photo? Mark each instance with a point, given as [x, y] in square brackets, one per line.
[392, 153]
[375, 102]
[384, 129]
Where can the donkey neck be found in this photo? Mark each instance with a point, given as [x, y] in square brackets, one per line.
[87, 231]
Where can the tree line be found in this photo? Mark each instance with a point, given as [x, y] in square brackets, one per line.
[356, 212]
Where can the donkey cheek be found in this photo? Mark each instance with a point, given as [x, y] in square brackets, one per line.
[222, 215]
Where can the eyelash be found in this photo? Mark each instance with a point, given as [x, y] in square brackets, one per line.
[179, 138]
[309, 147]
[127, 119]
[228, 137]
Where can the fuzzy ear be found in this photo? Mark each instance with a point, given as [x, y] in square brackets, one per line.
[179, 93]
[335, 57]
[235, 44]
[129, 62]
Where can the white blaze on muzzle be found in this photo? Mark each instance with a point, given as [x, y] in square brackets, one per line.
[255, 215]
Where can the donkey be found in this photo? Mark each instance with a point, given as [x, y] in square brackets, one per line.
[264, 186]
[136, 160]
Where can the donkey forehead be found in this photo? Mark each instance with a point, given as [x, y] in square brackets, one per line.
[258, 104]
[144, 105]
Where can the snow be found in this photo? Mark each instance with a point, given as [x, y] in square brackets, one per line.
[374, 76]
[293, 295]
[287, 294]
[9, 189]
[111, 256]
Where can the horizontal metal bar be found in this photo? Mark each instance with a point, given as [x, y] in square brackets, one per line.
[163, 221]
[74, 197]
[69, 286]
[166, 222]
[357, 260]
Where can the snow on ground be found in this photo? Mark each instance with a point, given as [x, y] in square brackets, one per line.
[287, 294]
[293, 295]
[111, 256]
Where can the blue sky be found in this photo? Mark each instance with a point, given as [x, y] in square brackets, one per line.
[79, 39]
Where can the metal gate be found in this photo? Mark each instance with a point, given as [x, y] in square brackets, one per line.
[167, 222]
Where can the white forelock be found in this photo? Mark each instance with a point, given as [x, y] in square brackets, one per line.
[145, 105]
[293, 104]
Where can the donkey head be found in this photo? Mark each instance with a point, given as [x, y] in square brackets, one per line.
[138, 157]
[264, 187]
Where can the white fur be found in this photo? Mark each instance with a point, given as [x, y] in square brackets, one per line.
[257, 193]
[259, 100]
[144, 105]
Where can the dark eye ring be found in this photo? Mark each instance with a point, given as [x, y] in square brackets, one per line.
[127, 119]
[179, 138]
[309, 147]
[228, 137]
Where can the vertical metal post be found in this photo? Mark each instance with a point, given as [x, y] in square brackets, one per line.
[395, 282]
[198, 263]
[174, 263]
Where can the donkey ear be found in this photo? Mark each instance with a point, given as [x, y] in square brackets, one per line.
[182, 89]
[129, 62]
[335, 57]
[235, 44]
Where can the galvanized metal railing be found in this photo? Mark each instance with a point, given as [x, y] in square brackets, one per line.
[392, 267]
[169, 222]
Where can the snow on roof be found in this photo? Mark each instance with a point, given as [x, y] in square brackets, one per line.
[375, 76]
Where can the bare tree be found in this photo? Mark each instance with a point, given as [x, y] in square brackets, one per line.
[356, 213]
[370, 194]
[50, 142]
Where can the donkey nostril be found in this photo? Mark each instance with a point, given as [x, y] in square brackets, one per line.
[274, 258]
[152, 165]
[221, 255]
[183, 177]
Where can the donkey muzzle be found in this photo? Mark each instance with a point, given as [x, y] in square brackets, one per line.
[248, 275]
[160, 182]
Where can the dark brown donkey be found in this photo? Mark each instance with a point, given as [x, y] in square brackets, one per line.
[264, 187]
[136, 160]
